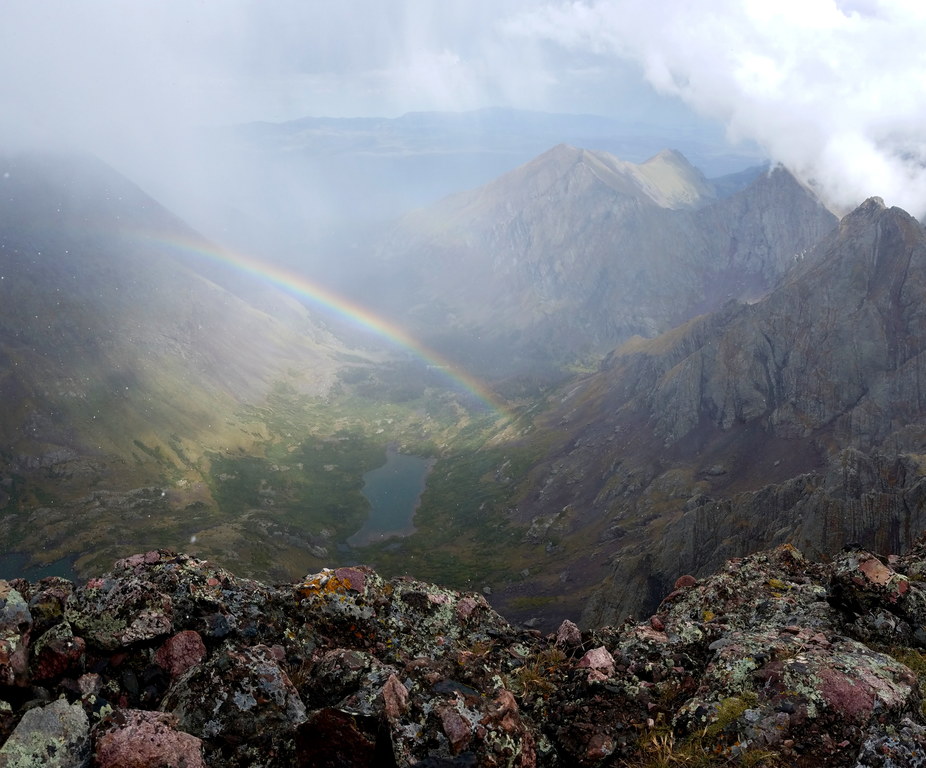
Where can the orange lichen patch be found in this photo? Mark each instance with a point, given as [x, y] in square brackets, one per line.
[325, 583]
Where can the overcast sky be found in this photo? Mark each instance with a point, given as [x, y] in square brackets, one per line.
[834, 89]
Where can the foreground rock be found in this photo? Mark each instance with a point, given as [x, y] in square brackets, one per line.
[171, 661]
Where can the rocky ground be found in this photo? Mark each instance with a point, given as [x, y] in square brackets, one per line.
[171, 661]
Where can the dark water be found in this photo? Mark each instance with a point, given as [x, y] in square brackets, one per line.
[393, 491]
[13, 565]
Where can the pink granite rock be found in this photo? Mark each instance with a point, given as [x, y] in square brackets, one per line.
[140, 739]
[180, 652]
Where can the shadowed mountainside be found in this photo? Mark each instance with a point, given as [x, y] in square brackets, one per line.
[797, 418]
[127, 362]
[107, 336]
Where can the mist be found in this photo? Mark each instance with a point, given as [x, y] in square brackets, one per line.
[831, 90]
[153, 90]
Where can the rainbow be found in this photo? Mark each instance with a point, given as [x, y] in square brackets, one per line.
[329, 301]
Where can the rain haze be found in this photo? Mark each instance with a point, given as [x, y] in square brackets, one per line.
[442, 336]
[830, 89]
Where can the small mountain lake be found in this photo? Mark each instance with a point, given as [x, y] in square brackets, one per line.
[13, 565]
[394, 491]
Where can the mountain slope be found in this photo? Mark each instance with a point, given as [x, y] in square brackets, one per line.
[577, 251]
[110, 338]
[797, 418]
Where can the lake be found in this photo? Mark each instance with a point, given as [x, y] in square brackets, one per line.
[13, 565]
[394, 491]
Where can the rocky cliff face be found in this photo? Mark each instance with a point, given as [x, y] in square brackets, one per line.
[577, 251]
[796, 418]
[171, 661]
[851, 315]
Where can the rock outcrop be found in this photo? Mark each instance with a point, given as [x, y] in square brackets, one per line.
[799, 418]
[171, 661]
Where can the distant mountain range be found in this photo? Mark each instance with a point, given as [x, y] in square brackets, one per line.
[577, 250]
[306, 187]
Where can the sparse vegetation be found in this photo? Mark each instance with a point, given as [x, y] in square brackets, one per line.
[660, 748]
[915, 661]
[535, 677]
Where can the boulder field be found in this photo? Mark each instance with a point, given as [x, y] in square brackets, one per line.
[172, 661]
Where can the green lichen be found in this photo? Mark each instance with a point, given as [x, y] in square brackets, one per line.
[728, 711]
[741, 673]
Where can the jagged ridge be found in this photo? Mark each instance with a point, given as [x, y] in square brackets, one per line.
[797, 418]
[577, 250]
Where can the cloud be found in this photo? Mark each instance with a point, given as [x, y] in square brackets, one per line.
[832, 90]
[99, 67]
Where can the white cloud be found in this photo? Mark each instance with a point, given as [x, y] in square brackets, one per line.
[832, 90]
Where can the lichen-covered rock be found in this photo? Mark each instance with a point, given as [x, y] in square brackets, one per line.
[353, 680]
[180, 652]
[408, 617]
[209, 599]
[900, 746]
[53, 736]
[172, 659]
[15, 624]
[237, 697]
[861, 581]
[15, 617]
[111, 613]
[56, 652]
[47, 601]
[141, 739]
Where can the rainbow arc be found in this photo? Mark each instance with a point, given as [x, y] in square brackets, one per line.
[321, 297]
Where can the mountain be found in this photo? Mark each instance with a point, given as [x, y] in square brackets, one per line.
[797, 418]
[308, 190]
[126, 354]
[772, 660]
[577, 251]
[382, 167]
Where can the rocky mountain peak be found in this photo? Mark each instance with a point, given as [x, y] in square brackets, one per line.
[666, 179]
[876, 252]
[540, 258]
[763, 422]
[872, 203]
[867, 215]
[672, 182]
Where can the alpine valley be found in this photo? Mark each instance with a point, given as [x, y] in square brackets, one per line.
[675, 370]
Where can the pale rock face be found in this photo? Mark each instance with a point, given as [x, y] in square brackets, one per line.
[54, 736]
